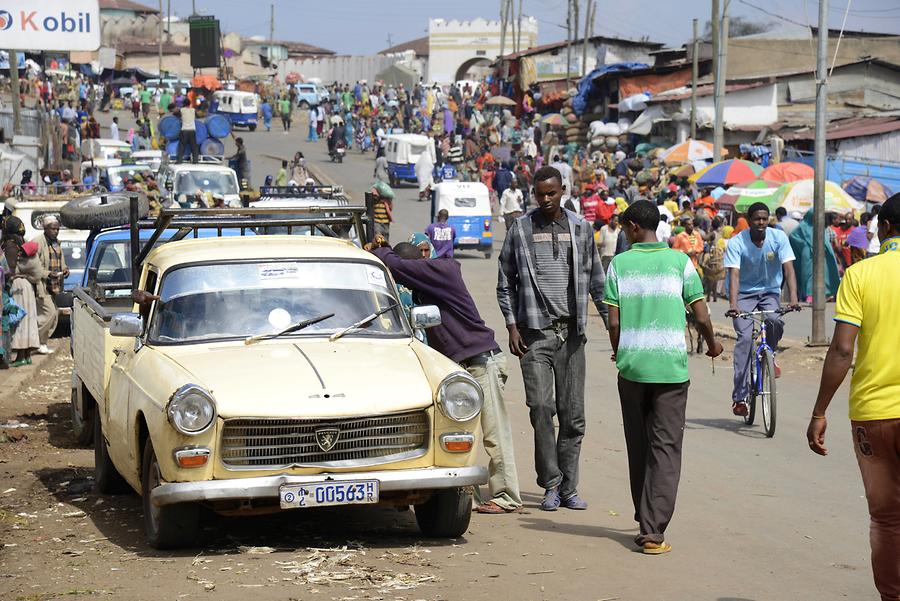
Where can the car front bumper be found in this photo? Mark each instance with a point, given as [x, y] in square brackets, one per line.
[432, 478]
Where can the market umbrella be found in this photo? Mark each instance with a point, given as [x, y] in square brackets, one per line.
[689, 150]
[732, 171]
[741, 196]
[867, 189]
[206, 81]
[798, 196]
[787, 172]
[500, 101]
[554, 119]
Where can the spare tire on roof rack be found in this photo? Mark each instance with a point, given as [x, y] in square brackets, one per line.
[105, 210]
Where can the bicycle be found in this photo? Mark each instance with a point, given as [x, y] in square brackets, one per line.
[761, 374]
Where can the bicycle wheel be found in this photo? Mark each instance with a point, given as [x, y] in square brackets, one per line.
[767, 394]
[752, 389]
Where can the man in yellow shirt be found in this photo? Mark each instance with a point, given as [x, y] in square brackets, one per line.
[867, 307]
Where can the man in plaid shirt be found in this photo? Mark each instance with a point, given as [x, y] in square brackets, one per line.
[549, 266]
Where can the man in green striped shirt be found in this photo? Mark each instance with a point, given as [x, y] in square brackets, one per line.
[647, 290]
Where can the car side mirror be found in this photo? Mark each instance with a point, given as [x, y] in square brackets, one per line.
[425, 316]
[126, 325]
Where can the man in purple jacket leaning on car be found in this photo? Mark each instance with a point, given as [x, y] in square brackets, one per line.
[464, 337]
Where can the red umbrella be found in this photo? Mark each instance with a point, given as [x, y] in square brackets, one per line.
[787, 172]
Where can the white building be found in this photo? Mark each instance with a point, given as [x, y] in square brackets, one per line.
[456, 47]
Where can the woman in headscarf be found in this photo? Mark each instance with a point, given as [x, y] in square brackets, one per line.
[26, 273]
[802, 243]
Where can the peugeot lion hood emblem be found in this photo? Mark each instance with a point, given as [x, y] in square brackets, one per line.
[326, 438]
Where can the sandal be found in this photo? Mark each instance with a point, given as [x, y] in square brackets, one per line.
[656, 548]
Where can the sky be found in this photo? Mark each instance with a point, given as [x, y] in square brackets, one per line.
[365, 26]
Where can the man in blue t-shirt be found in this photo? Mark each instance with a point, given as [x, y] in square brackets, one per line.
[758, 261]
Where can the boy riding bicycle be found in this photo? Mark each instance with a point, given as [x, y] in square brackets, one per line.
[758, 261]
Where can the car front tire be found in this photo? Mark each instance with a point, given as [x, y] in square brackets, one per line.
[170, 526]
[446, 514]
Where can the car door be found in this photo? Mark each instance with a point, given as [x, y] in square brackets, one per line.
[119, 407]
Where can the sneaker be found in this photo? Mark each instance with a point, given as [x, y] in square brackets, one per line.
[44, 350]
[656, 548]
[740, 408]
[551, 500]
[575, 502]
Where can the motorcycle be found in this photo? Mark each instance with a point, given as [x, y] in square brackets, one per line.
[337, 152]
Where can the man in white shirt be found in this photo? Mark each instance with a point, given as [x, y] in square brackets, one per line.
[188, 136]
[564, 170]
[511, 204]
[114, 129]
[872, 235]
[663, 210]
[663, 230]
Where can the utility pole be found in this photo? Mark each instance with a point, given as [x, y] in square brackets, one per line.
[512, 23]
[14, 84]
[818, 312]
[568, 40]
[714, 24]
[169, 21]
[519, 29]
[271, 24]
[721, 76]
[193, 7]
[390, 44]
[160, 42]
[695, 72]
[503, 4]
[588, 32]
[576, 13]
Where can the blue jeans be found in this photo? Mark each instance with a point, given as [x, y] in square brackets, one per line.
[312, 137]
[763, 301]
[553, 372]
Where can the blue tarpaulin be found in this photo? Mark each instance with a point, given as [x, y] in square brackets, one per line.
[587, 90]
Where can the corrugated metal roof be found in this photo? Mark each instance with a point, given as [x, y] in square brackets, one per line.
[578, 43]
[419, 46]
[126, 5]
[707, 91]
[850, 128]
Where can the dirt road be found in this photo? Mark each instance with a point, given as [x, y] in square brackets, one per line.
[758, 519]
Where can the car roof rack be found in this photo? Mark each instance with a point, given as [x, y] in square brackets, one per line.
[242, 218]
[306, 191]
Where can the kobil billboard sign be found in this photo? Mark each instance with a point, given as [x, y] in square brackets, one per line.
[50, 25]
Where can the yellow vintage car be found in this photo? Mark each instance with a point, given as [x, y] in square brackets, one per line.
[273, 372]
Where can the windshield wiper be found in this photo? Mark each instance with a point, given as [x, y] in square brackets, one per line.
[363, 322]
[294, 328]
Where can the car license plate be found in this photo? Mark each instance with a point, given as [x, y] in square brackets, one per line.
[469, 240]
[321, 494]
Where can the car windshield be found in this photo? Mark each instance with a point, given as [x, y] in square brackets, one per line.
[194, 182]
[73, 251]
[116, 173]
[238, 300]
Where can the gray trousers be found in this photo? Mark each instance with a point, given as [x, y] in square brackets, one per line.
[553, 372]
[498, 441]
[653, 418]
[744, 330]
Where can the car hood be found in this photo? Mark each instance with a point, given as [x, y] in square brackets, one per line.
[309, 378]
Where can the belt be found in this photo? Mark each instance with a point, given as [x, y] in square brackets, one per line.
[480, 358]
[565, 322]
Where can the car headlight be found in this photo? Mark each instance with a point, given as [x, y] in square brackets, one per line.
[460, 397]
[191, 410]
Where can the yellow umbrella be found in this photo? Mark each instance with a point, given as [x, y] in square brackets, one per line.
[798, 196]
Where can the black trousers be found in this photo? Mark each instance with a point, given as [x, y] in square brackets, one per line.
[188, 138]
[653, 417]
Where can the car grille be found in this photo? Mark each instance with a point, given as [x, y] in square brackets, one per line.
[361, 441]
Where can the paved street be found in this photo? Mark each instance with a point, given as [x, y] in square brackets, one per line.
[758, 519]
